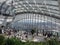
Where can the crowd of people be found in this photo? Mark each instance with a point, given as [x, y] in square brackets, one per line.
[16, 33]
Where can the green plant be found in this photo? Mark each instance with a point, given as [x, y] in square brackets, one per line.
[2, 38]
[53, 42]
[12, 41]
[16, 41]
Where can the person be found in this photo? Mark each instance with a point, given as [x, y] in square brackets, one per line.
[0, 31]
[57, 34]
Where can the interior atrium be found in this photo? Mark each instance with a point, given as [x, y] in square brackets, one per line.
[19, 17]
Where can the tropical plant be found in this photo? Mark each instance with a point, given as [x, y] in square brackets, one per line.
[16, 41]
[12, 41]
[2, 38]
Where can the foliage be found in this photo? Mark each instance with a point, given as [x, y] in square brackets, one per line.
[12, 41]
[53, 42]
[16, 41]
[2, 38]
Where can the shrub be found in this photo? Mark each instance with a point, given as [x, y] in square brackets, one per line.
[2, 38]
[13, 41]
[53, 42]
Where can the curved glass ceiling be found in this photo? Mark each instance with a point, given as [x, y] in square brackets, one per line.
[49, 9]
[28, 21]
[16, 6]
[27, 24]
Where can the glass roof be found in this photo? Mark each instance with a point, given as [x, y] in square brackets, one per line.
[35, 23]
[16, 6]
